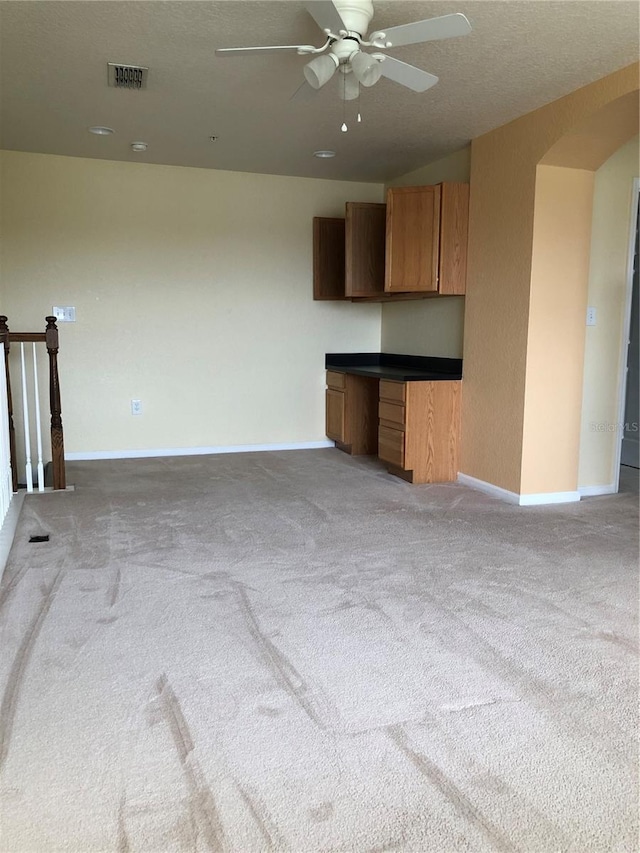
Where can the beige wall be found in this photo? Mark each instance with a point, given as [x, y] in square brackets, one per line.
[499, 292]
[193, 294]
[603, 375]
[557, 311]
[428, 326]
[424, 327]
[453, 167]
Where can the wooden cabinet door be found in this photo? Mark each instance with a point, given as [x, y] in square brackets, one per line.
[335, 415]
[432, 431]
[328, 258]
[364, 248]
[412, 239]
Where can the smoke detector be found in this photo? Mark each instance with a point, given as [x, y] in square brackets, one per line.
[127, 76]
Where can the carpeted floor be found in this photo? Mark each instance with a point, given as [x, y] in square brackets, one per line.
[297, 652]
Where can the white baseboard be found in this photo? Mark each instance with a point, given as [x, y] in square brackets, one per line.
[488, 488]
[550, 498]
[514, 497]
[594, 491]
[86, 455]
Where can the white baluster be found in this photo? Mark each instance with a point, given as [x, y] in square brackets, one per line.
[38, 423]
[25, 415]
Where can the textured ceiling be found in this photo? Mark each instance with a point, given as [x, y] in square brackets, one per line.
[520, 55]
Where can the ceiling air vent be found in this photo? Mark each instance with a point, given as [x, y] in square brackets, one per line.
[127, 76]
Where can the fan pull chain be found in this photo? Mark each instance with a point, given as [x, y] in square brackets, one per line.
[344, 127]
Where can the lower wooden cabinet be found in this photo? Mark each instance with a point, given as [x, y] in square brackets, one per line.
[419, 426]
[413, 427]
[335, 408]
[351, 412]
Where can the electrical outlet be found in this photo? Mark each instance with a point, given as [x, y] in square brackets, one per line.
[64, 315]
[591, 316]
[136, 407]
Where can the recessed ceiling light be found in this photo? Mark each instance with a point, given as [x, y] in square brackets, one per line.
[101, 131]
[139, 146]
[324, 155]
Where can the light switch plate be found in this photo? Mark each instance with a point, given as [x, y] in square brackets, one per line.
[65, 315]
[591, 316]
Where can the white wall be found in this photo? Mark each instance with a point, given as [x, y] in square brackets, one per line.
[607, 294]
[428, 326]
[193, 292]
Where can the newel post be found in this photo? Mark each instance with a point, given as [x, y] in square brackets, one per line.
[57, 438]
[4, 340]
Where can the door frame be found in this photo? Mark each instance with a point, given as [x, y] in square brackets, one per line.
[624, 347]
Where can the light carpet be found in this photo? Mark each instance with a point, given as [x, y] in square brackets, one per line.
[298, 652]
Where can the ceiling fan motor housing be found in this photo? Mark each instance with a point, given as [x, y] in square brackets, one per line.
[344, 48]
[356, 14]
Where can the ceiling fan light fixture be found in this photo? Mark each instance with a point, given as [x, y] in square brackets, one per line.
[320, 70]
[349, 87]
[366, 68]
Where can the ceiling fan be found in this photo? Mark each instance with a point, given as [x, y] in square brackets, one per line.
[345, 24]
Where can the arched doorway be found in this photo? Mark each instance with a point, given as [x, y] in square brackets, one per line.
[577, 414]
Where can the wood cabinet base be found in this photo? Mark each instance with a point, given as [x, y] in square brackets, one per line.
[346, 448]
[413, 427]
[400, 472]
[352, 413]
[418, 430]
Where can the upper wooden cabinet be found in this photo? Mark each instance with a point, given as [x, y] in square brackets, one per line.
[413, 235]
[364, 248]
[414, 246]
[328, 258]
[426, 239]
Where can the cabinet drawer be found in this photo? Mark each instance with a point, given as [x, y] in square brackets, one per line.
[392, 412]
[392, 391]
[336, 380]
[391, 445]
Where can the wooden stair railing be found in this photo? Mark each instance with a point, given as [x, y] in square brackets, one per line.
[50, 338]
[4, 337]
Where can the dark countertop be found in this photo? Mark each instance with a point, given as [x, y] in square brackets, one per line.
[402, 368]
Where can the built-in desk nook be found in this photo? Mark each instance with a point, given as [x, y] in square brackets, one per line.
[404, 409]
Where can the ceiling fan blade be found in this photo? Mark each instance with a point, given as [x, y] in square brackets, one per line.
[325, 14]
[273, 48]
[432, 29]
[407, 75]
[304, 92]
